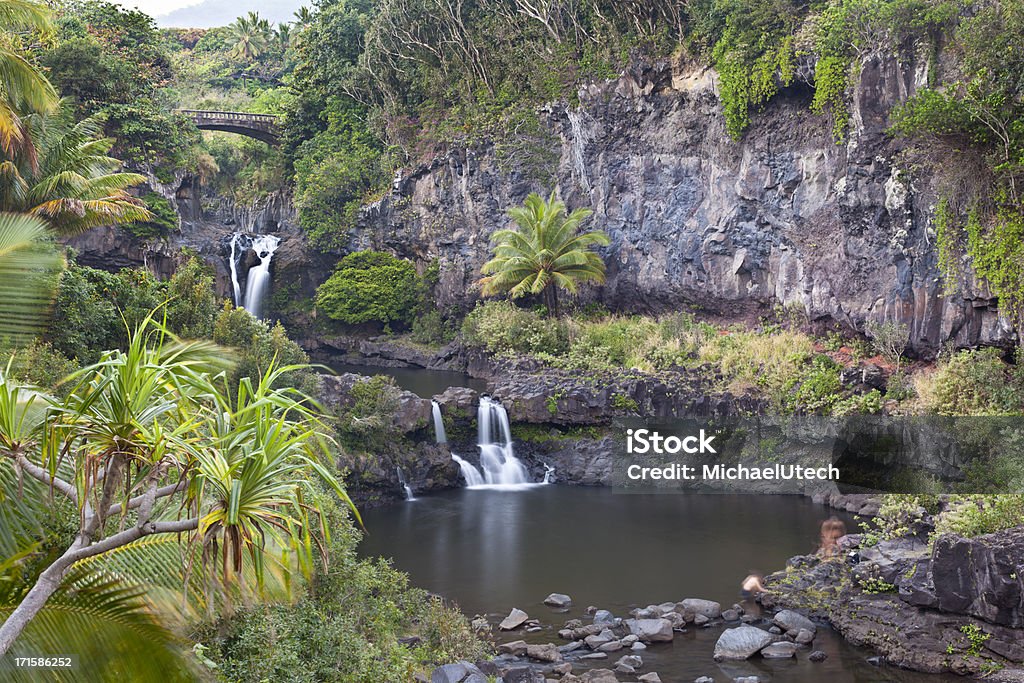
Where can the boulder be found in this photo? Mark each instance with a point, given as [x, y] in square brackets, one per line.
[731, 615]
[788, 620]
[631, 660]
[459, 672]
[603, 616]
[695, 606]
[804, 637]
[818, 656]
[651, 630]
[613, 646]
[559, 600]
[602, 638]
[651, 677]
[781, 650]
[514, 620]
[599, 676]
[547, 652]
[981, 576]
[522, 674]
[741, 642]
[515, 648]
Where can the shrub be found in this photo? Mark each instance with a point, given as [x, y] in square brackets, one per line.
[977, 515]
[975, 382]
[258, 346]
[165, 218]
[39, 364]
[859, 404]
[501, 327]
[750, 360]
[889, 340]
[192, 303]
[430, 328]
[370, 286]
[815, 388]
[367, 421]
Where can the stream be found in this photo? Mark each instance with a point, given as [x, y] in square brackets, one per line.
[491, 550]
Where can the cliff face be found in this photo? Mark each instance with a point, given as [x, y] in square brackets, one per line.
[784, 216]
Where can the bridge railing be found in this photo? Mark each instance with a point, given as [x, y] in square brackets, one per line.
[228, 115]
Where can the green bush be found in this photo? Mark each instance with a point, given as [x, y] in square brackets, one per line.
[192, 302]
[977, 515]
[165, 218]
[39, 364]
[501, 327]
[371, 286]
[258, 346]
[367, 421]
[814, 389]
[976, 382]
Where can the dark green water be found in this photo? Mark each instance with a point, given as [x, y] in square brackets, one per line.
[423, 383]
[493, 550]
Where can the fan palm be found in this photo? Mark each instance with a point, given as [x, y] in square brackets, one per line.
[28, 265]
[150, 431]
[545, 253]
[72, 184]
[23, 89]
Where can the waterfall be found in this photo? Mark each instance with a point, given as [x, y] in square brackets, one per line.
[258, 278]
[234, 269]
[439, 434]
[497, 457]
[549, 473]
[469, 473]
[405, 485]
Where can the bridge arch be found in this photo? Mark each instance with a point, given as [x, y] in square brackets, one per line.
[259, 126]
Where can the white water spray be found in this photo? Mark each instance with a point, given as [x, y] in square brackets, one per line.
[234, 269]
[469, 473]
[494, 439]
[408, 489]
[258, 279]
[439, 434]
[549, 473]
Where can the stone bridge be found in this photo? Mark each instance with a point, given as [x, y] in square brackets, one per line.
[260, 126]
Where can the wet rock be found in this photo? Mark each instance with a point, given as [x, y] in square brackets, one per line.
[651, 630]
[651, 677]
[602, 638]
[637, 647]
[613, 646]
[595, 655]
[780, 650]
[704, 679]
[522, 674]
[981, 576]
[459, 672]
[514, 620]
[562, 669]
[599, 676]
[631, 660]
[731, 615]
[516, 647]
[741, 642]
[747, 679]
[544, 653]
[571, 647]
[818, 656]
[695, 606]
[804, 637]
[700, 620]
[603, 616]
[788, 620]
[559, 600]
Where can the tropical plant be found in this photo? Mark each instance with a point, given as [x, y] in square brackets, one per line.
[545, 252]
[250, 36]
[71, 183]
[28, 266]
[149, 443]
[23, 88]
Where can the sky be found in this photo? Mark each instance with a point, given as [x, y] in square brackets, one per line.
[155, 7]
[206, 13]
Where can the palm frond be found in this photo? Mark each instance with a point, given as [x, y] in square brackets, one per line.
[28, 266]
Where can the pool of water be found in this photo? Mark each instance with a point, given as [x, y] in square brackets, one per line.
[424, 383]
[491, 550]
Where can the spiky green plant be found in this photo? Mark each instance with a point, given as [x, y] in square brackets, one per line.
[544, 253]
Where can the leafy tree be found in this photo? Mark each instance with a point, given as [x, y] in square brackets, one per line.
[251, 36]
[192, 303]
[23, 89]
[149, 431]
[370, 286]
[544, 253]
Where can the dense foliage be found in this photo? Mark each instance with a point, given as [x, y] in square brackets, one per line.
[371, 286]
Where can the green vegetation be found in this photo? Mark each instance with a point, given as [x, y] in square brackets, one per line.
[371, 286]
[544, 253]
[973, 382]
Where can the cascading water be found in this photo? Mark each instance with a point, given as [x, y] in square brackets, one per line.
[408, 489]
[234, 269]
[258, 278]
[439, 434]
[549, 473]
[497, 457]
[469, 473]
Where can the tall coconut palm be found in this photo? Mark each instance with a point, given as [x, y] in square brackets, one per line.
[544, 253]
[149, 435]
[71, 183]
[250, 35]
[23, 88]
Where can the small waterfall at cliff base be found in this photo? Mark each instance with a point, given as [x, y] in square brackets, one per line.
[405, 485]
[494, 439]
[439, 434]
[258, 281]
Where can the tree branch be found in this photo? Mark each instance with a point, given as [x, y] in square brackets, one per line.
[161, 492]
[41, 475]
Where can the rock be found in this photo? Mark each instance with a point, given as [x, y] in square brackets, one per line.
[595, 655]
[818, 656]
[562, 669]
[781, 650]
[731, 615]
[804, 637]
[544, 653]
[637, 647]
[631, 660]
[514, 620]
[602, 638]
[788, 620]
[981, 576]
[488, 667]
[775, 630]
[516, 647]
[741, 642]
[700, 620]
[459, 672]
[704, 679]
[624, 669]
[599, 676]
[522, 674]
[651, 677]
[695, 606]
[630, 639]
[559, 600]
[651, 630]
[603, 616]
[747, 679]
[613, 646]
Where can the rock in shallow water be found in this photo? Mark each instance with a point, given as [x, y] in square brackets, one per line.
[559, 600]
[788, 620]
[544, 653]
[779, 651]
[514, 620]
[651, 630]
[818, 656]
[695, 606]
[741, 642]
[459, 672]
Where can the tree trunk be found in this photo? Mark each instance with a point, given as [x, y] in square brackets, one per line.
[46, 585]
[551, 301]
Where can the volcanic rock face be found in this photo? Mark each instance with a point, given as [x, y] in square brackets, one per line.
[982, 576]
[784, 216]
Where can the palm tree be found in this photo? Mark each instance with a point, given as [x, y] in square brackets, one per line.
[250, 34]
[150, 435]
[23, 89]
[544, 253]
[71, 183]
[28, 266]
[283, 36]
